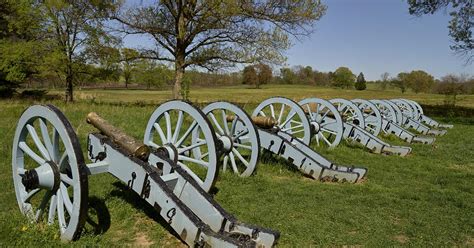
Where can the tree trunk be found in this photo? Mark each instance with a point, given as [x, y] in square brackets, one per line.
[179, 74]
[69, 89]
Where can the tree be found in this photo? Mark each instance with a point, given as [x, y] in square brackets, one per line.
[20, 50]
[152, 74]
[401, 81]
[343, 77]
[250, 76]
[384, 79]
[264, 74]
[460, 25]
[360, 84]
[288, 76]
[73, 27]
[212, 34]
[420, 81]
[128, 58]
[452, 85]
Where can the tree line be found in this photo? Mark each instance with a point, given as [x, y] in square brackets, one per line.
[68, 43]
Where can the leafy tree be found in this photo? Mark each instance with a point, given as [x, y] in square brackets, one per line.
[322, 78]
[420, 81]
[20, 51]
[152, 74]
[129, 60]
[460, 25]
[288, 76]
[213, 33]
[384, 80]
[451, 86]
[360, 84]
[264, 74]
[401, 81]
[250, 75]
[343, 77]
[74, 27]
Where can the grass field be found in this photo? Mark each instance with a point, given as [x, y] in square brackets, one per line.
[244, 94]
[425, 199]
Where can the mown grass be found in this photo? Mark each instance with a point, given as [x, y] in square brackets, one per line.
[425, 199]
[245, 94]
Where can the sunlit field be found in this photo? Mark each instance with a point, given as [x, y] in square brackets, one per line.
[423, 200]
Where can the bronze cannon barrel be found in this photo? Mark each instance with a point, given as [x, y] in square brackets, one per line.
[260, 121]
[132, 146]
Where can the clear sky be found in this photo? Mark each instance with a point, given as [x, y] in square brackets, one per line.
[376, 36]
[373, 36]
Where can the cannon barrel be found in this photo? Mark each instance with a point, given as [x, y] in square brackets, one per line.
[260, 121]
[132, 146]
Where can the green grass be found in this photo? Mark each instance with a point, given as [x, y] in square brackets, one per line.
[244, 94]
[425, 199]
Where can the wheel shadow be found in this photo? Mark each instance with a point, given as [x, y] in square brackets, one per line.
[98, 217]
[123, 192]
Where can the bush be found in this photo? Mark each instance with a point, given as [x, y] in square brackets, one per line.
[34, 94]
[6, 92]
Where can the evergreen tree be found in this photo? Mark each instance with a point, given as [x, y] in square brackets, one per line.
[360, 84]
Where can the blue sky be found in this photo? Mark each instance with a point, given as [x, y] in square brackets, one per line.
[376, 36]
[373, 36]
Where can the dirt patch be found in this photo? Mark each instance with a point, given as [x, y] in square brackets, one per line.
[470, 242]
[142, 240]
[402, 239]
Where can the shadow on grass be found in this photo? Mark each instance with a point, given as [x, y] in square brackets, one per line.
[98, 217]
[123, 192]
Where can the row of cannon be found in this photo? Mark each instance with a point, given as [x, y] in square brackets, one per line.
[183, 150]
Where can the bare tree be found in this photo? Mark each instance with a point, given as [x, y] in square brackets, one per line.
[213, 33]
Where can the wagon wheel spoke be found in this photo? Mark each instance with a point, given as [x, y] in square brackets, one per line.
[242, 146]
[160, 132]
[177, 129]
[232, 163]
[47, 139]
[42, 149]
[25, 148]
[186, 134]
[239, 156]
[191, 173]
[193, 160]
[30, 195]
[42, 206]
[52, 209]
[168, 127]
[225, 162]
[282, 110]
[224, 121]
[216, 123]
[182, 150]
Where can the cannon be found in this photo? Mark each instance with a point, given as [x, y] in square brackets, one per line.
[51, 177]
[405, 118]
[355, 129]
[241, 138]
[383, 117]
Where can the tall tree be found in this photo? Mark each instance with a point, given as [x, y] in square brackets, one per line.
[460, 25]
[360, 83]
[420, 81]
[213, 33]
[384, 80]
[20, 50]
[264, 74]
[74, 26]
[129, 62]
[343, 77]
[250, 75]
[401, 81]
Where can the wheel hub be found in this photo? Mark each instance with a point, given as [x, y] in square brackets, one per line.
[46, 176]
[227, 143]
[316, 126]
